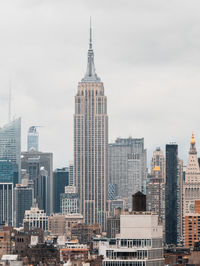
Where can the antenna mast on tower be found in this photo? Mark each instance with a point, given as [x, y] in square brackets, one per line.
[9, 102]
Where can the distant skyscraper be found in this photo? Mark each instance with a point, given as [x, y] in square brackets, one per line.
[23, 200]
[41, 190]
[32, 139]
[34, 162]
[155, 192]
[155, 189]
[158, 159]
[60, 180]
[173, 195]
[6, 171]
[6, 203]
[127, 167]
[6, 191]
[192, 179]
[91, 144]
[10, 146]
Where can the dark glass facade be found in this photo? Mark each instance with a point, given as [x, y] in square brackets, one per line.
[22, 201]
[6, 171]
[39, 167]
[171, 194]
[60, 180]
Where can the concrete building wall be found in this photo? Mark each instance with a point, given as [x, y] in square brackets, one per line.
[140, 226]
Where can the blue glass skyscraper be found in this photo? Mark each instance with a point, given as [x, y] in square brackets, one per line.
[32, 139]
[6, 171]
[6, 191]
[10, 145]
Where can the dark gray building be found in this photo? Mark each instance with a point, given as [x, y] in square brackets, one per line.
[60, 180]
[113, 226]
[6, 203]
[39, 167]
[23, 199]
[172, 194]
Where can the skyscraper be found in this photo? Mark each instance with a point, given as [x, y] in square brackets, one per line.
[91, 144]
[127, 167]
[173, 195]
[192, 179]
[32, 139]
[6, 191]
[39, 167]
[60, 180]
[158, 159]
[6, 203]
[23, 199]
[10, 146]
[155, 189]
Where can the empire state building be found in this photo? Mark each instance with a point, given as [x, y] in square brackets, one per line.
[91, 144]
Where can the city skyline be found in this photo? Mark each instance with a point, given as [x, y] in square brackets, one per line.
[152, 68]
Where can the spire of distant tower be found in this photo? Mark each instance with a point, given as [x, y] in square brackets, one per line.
[90, 75]
[192, 146]
[9, 103]
[90, 44]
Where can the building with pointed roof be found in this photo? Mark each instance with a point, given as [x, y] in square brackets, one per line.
[91, 144]
[192, 179]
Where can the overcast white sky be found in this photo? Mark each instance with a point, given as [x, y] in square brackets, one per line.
[147, 53]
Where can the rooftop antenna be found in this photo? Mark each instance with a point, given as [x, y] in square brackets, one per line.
[90, 32]
[9, 102]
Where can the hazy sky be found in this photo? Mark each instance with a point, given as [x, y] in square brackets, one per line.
[147, 53]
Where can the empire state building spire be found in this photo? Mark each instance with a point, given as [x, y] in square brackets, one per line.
[90, 75]
[91, 145]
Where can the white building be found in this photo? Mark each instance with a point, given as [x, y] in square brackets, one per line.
[69, 201]
[138, 244]
[36, 218]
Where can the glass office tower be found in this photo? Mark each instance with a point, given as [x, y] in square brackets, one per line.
[32, 139]
[10, 145]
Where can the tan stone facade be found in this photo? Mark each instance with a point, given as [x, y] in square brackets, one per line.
[91, 145]
[61, 225]
[5, 242]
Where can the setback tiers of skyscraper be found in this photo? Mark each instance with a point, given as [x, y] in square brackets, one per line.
[91, 144]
